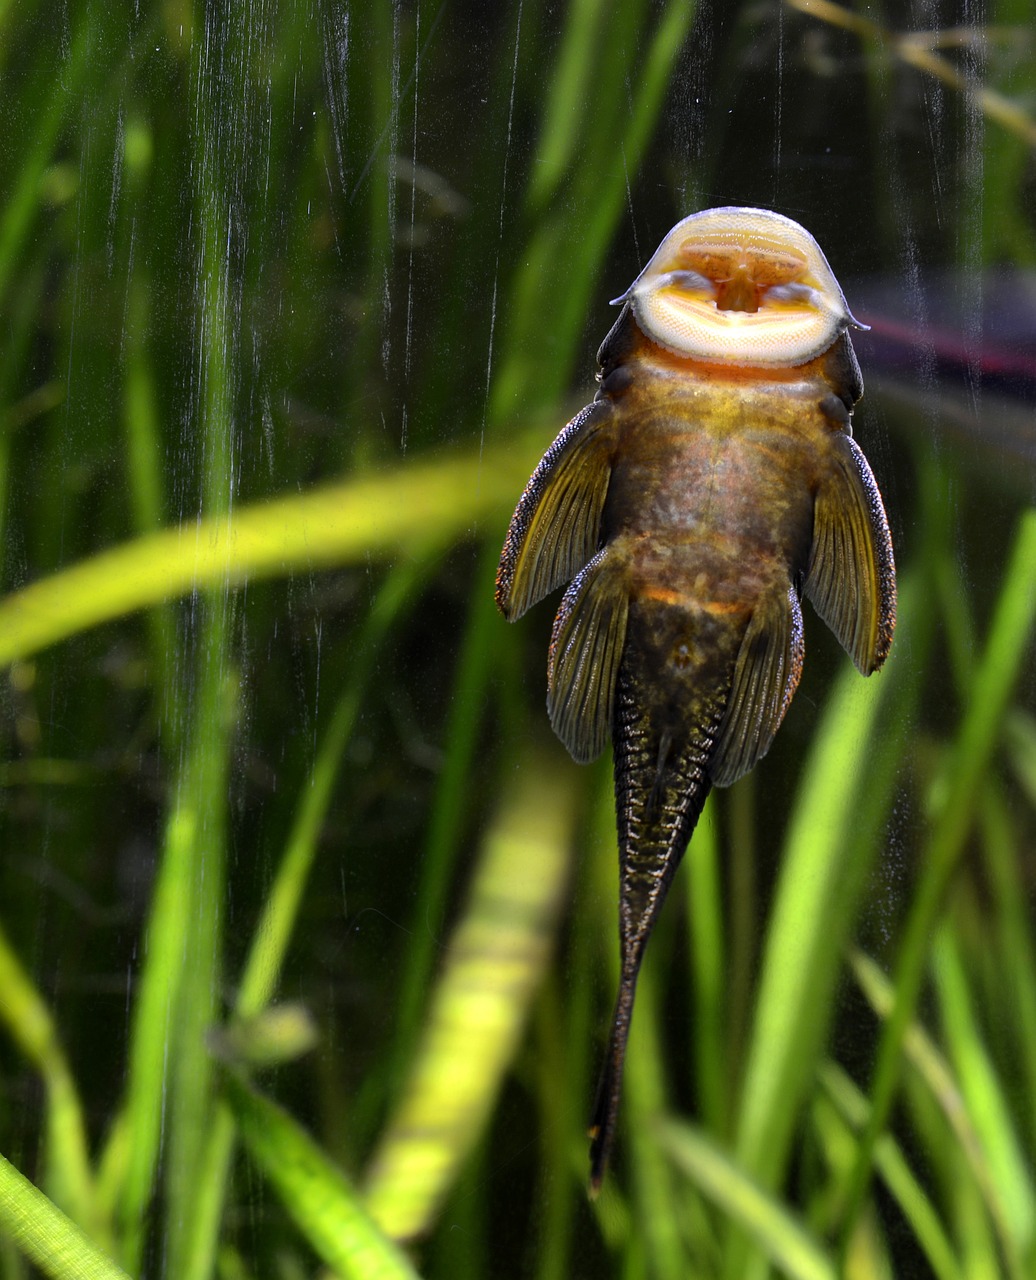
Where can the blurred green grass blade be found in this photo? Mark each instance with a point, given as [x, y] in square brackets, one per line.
[934, 1071]
[992, 684]
[782, 1239]
[29, 1020]
[138, 1126]
[280, 910]
[277, 923]
[493, 962]
[481, 644]
[708, 976]
[23, 200]
[144, 474]
[43, 1233]
[1020, 743]
[834, 833]
[1006, 868]
[655, 1206]
[404, 510]
[568, 98]
[179, 952]
[561, 263]
[190, 1106]
[801, 954]
[897, 1175]
[983, 1094]
[314, 1191]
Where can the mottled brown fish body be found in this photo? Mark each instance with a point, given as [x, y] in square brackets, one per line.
[706, 488]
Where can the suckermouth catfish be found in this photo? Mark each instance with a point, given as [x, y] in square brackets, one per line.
[712, 482]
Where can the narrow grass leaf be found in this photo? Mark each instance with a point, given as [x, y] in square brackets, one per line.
[708, 950]
[937, 1076]
[983, 1093]
[43, 1233]
[314, 1191]
[799, 945]
[897, 1176]
[30, 1023]
[993, 682]
[277, 922]
[403, 510]
[656, 1209]
[781, 1238]
[493, 962]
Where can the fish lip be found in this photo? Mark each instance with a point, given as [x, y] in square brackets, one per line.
[834, 302]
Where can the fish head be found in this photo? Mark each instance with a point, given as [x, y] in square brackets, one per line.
[742, 287]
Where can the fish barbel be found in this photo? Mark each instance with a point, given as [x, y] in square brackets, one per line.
[710, 484]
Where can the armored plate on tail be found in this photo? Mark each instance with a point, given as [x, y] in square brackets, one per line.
[712, 482]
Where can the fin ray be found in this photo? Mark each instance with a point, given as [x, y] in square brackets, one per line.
[585, 651]
[766, 675]
[851, 579]
[556, 526]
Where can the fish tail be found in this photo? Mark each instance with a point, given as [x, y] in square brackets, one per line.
[609, 1085]
[661, 784]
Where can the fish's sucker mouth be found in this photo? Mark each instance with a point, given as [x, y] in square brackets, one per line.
[739, 293]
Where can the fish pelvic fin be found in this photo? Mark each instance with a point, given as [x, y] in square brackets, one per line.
[661, 784]
[585, 651]
[556, 526]
[766, 675]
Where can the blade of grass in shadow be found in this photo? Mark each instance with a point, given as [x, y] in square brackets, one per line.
[492, 964]
[561, 264]
[656, 1209]
[276, 924]
[708, 970]
[23, 201]
[221, 66]
[569, 99]
[781, 1238]
[1007, 873]
[991, 688]
[325, 1207]
[202, 802]
[934, 1071]
[803, 949]
[897, 1175]
[1009, 1178]
[29, 1021]
[407, 509]
[43, 1233]
[452, 794]
[144, 460]
[834, 834]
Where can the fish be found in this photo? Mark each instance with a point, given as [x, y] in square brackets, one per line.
[712, 482]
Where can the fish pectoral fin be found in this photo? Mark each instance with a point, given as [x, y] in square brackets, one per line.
[556, 525]
[852, 579]
[766, 674]
[585, 649]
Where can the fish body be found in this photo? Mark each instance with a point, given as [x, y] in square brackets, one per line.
[712, 481]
